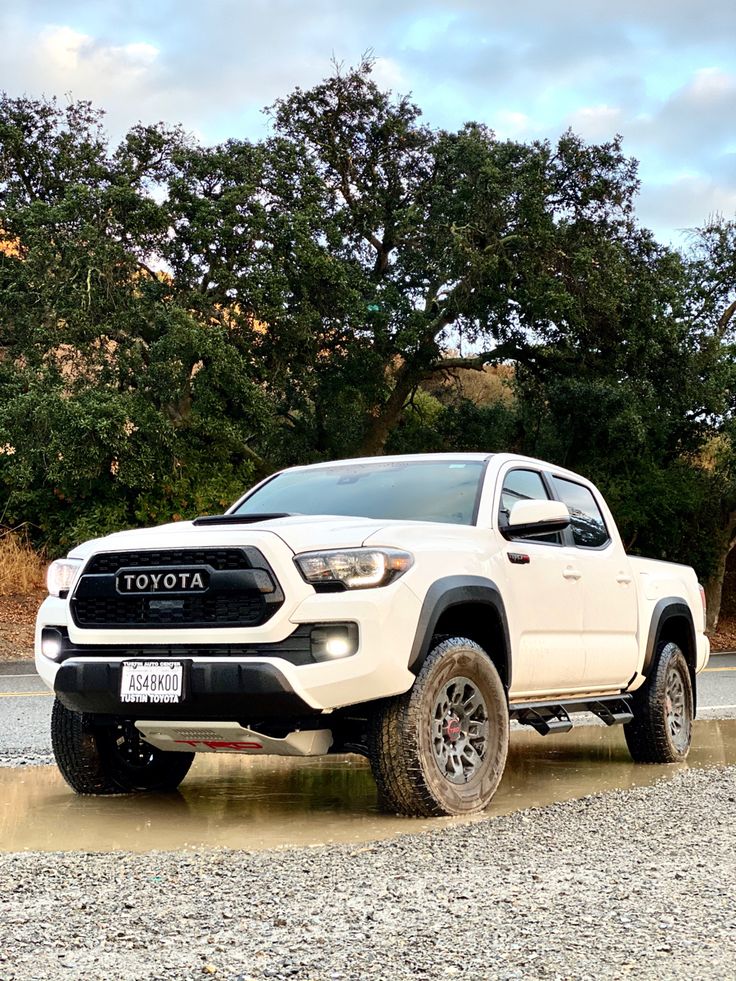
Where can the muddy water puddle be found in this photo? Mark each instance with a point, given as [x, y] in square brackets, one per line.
[269, 802]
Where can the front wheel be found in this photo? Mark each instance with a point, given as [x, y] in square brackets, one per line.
[662, 727]
[440, 749]
[111, 758]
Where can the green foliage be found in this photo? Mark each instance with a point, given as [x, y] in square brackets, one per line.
[84, 461]
[429, 426]
[176, 320]
[421, 233]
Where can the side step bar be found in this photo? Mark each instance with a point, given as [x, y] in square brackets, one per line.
[547, 717]
[544, 718]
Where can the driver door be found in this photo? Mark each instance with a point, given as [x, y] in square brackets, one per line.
[544, 607]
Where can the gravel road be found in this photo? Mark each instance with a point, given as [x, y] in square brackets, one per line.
[638, 883]
[627, 884]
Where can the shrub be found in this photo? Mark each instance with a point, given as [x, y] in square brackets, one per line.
[22, 568]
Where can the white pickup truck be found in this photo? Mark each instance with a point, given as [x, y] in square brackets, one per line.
[405, 608]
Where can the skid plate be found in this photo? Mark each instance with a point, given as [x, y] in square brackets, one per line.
[229, 737]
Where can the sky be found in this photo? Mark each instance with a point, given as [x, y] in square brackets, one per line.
[662, 73]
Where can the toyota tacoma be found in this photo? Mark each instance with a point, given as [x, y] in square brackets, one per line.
[405, 608]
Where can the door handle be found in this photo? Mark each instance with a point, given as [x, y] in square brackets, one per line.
[571, 573]
[624, 580]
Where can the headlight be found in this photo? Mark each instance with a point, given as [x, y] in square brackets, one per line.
[61, 575]
[354, 568]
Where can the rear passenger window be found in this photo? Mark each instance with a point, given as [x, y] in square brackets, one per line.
[524, 485]
[586, 521]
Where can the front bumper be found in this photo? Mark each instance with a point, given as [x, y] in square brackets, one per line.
[87, 679]
[246, 693]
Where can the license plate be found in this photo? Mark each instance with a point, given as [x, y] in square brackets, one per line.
[151, 682]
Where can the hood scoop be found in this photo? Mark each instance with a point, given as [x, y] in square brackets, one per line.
[236, 519]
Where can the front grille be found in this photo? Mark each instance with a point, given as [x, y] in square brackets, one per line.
[135, 611]
[219, 558]
[236, 597]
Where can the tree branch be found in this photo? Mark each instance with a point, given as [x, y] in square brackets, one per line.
[148, 269]
[343, 173]
[725, 318]
[263, 467]
[26, 181]
[477, 362]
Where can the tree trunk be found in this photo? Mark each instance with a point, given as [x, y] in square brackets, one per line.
[389, 415]
[407, 378]
[714, 585]
[713, 593]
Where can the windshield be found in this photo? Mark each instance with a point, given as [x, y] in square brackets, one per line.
[419, 490]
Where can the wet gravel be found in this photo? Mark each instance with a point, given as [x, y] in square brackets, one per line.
[627, 884]
[25, 757]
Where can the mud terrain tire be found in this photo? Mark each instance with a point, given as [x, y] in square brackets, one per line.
[110, 759]
[661, 731]
[440, 749]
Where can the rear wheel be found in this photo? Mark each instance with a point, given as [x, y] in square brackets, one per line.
[661, 731]
[440, 749]
[111, 759]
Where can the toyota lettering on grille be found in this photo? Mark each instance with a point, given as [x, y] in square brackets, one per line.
[154, 582]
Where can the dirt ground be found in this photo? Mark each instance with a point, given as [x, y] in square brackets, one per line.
[18, 613]
[724, 639]
[17, 616]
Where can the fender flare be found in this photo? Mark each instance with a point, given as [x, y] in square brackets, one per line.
[451, 591]
[666, 609]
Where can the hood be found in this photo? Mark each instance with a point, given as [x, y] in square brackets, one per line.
[301, 533]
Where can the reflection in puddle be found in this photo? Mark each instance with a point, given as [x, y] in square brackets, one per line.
[267, 802]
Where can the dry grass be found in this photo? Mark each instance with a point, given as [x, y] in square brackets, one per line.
[491, 386]
[22, 568]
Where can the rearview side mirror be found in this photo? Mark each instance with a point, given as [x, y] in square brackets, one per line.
[529, 519]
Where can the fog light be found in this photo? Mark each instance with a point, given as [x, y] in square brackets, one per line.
[51, 643]
[337, 646]
[334, 640]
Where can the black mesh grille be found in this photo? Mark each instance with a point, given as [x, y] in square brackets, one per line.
[218, 558]
[128, 611]
[98, 603]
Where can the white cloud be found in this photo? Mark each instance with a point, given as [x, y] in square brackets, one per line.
[60, 47]
[388, 74]
[143, 53]
[691, 131]
[662, 73]
[710, 82]
[57, 59]
[510, 125]
[68, 52]
[685, 203]
[597, 123]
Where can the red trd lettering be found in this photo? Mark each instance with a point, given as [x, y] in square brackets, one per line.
[223, 745]
[217, 744]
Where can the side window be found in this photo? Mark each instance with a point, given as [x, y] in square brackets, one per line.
[523, 485]
[586, 521]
